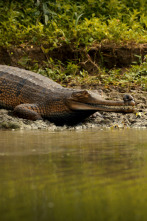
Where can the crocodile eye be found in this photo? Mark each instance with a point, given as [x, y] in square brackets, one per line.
[80, 94]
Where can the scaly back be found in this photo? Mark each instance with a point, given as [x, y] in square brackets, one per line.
[34, 78]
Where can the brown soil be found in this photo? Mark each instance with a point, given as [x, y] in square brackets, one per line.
[108, 55]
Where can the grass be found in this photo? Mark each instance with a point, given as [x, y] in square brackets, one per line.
[133, 77]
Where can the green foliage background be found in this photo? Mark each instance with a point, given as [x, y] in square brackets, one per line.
[59, 21]
[76, 24]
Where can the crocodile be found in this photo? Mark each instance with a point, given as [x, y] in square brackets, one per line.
[36, 97]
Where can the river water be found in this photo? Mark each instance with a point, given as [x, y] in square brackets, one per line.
[73, 175]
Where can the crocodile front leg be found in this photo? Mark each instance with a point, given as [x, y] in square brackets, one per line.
[28, 111]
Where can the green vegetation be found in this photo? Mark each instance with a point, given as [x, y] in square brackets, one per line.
[61, 21]
[79, 25]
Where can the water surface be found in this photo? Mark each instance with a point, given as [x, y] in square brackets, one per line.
[84, 176]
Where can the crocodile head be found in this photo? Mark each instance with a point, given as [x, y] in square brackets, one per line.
[86, 100]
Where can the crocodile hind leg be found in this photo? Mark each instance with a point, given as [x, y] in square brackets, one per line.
[27, 111]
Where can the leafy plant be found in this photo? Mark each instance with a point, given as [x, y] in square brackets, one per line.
[79, 25]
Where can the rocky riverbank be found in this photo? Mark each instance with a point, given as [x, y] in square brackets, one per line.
[98, 120]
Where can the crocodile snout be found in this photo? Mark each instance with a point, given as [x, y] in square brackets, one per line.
[128, 100]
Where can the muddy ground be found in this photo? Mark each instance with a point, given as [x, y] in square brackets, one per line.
[108, 55]
[99, 120]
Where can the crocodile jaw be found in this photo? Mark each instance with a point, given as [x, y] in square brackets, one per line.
[81, 106]
[85, 100]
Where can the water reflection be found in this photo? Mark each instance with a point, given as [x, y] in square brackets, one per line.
[87, 175]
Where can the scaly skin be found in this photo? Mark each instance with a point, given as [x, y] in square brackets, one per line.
[33, 96]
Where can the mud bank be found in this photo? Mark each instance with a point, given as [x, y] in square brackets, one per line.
[108, 55]
[98, 120]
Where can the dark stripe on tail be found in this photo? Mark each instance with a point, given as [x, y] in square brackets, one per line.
[20, 86]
